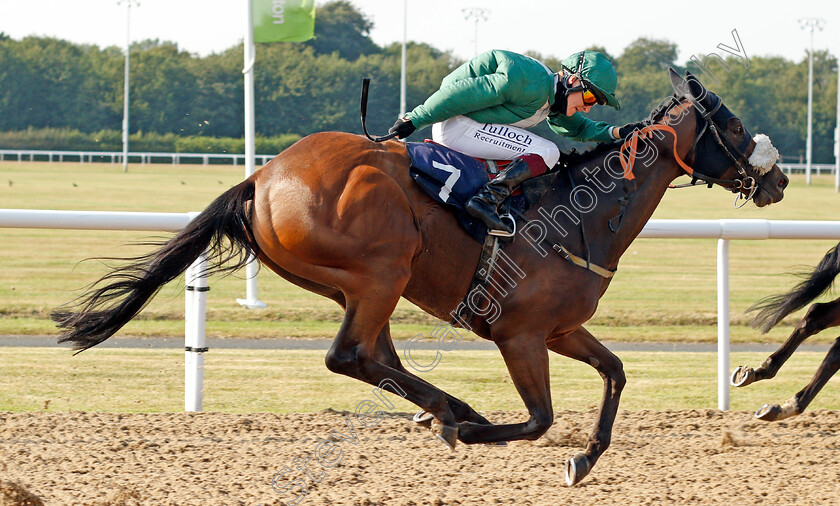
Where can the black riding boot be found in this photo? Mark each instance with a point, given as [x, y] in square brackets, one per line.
[485, 204]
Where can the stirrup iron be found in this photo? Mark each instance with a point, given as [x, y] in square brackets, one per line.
[502, 233]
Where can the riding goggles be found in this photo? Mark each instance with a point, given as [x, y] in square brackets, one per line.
[589, 96]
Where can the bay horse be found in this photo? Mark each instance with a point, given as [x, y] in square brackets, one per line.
[340, 216]
[819, 317]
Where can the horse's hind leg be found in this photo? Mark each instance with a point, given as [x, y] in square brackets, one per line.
[581, 345]
[326, 291]
[354, 353]
[387, 354]
[383, 349]
[819, 317]
[797, 404]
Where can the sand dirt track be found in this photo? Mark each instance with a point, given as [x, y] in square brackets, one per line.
[674, 457]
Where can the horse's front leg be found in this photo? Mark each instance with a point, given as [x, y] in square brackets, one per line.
[819, 317]
[526, 358]
[581, 345]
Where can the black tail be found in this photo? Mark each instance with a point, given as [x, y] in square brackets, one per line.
[118, 296]
[771, 310]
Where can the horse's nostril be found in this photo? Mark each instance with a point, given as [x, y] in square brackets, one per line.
[783, 182]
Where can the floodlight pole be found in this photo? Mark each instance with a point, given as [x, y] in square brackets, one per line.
[128, 4]
[837, 137]
[476, 14]
[809, 24]
[403, 65]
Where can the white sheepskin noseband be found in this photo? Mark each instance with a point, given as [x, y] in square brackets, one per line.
[764, 155]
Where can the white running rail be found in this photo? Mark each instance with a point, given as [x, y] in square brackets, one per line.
[722, 230]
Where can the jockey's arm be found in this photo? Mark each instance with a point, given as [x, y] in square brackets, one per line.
[461, 97]
[580, 128]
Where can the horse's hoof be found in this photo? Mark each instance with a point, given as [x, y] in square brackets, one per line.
[769, 412]
[446, 433]
[423, 418]
[742, 376]
[774, 412]
[577, 468]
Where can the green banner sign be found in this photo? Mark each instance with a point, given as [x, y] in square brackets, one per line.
[284, 20]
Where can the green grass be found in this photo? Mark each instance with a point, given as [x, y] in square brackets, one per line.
[243, 381]
[665, 289]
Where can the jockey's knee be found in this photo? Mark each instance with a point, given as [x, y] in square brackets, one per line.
[535, 162]
[547, 151]
[552, 155]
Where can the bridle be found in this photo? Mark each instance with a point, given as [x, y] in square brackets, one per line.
[745, 182]
[629, 150]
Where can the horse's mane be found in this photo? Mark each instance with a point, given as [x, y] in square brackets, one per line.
[575, 157]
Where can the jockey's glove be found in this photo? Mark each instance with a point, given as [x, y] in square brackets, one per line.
[626, 130]
[403, 128]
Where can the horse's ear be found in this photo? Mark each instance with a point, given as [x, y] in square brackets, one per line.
[695, 87]
[678, 83]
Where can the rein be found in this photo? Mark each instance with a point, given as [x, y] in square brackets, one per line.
[734, 185]
[628, 152]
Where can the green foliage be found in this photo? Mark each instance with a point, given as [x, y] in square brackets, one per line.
[341, 28]
[645, 54]
[264, 145]
[59, 139]
[314, 86]
[771, 97]
[66, 139]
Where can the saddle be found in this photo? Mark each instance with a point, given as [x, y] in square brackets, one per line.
[452, 178]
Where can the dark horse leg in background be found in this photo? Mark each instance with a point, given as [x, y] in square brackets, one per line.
[797, 404]
[819, 317]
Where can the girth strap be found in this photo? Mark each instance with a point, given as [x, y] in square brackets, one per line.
[483, 271]
[580, 262]
[571, 257]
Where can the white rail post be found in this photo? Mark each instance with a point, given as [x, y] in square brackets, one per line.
[194, 338]
[723, 323]
[251, 300]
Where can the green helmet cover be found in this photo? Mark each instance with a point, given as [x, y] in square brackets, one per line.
[597, 70]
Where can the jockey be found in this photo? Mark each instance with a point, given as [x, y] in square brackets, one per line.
[484, 107]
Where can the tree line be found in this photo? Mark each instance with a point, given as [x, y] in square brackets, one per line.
[47, 83]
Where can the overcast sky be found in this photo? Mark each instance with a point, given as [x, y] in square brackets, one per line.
[551, 27]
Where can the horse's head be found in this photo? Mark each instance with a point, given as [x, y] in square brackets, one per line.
[725, 152]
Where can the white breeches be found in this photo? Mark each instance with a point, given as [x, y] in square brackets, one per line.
[492, 141]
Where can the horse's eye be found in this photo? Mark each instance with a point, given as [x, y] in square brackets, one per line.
[738, 130]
